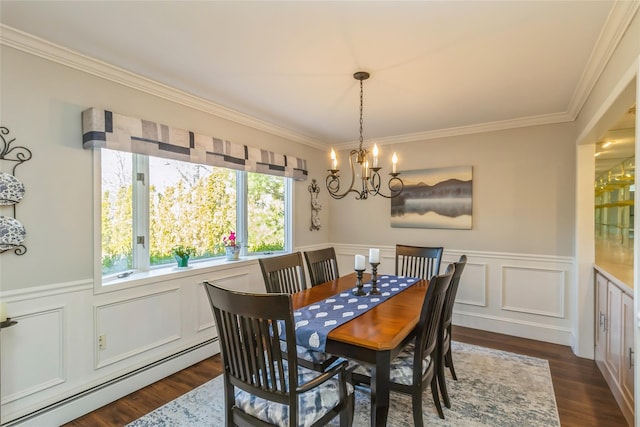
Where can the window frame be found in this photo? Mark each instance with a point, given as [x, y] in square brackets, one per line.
[141, 256]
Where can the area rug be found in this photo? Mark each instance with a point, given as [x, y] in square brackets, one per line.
[494, 388]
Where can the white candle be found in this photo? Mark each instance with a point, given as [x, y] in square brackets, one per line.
[334, 161]
[359, 262]
[375, 155]
[374, 255]
[394, 161]
[3, 312]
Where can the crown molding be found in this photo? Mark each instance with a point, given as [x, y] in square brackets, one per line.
[42, 48]
[544, 119]
[618, 21]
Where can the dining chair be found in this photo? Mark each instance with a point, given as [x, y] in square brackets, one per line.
[285, 274]
[261, 385]
[444, 350]
[418, 261]
[322, 265]
[415, 366]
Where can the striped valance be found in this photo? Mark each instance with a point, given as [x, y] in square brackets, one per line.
[104, 129]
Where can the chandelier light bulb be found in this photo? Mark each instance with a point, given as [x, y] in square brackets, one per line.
[375, 155]
[394, 162]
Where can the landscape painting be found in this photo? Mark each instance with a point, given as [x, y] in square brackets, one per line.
[434, 198]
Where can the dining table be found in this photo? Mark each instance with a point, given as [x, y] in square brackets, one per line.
[374, 337]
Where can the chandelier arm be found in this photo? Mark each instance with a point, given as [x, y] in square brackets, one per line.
[376, 182]
[333, 181]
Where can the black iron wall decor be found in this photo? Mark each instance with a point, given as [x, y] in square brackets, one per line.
[314, 190]
[12, 232]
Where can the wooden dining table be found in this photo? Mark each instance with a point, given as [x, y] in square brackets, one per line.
[375, 337]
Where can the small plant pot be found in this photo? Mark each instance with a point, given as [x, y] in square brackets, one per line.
[182, 261]
[233, 252]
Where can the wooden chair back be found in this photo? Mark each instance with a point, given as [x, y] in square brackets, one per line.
[322, 265]
[284, 274]
[428, 328]
[450, 299]
[418, 261]
[445, 358]
[255, 361]
[251, 353]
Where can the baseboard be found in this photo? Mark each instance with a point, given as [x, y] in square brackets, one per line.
[532, 331]
[75, 406]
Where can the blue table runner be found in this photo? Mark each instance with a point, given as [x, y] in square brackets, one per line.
[314, 322]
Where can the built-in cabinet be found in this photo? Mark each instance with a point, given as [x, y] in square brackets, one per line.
[614, 339]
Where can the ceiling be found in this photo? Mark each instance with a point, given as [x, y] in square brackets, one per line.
[437, 67]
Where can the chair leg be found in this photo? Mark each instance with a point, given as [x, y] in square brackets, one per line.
[442, 383]
[436, 398]
[449, 362]
[346, 416]
[416, 403]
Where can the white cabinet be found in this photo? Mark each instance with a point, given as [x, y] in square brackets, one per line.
[614, 330]
[627, 345]
[601, 318]
[614, 340]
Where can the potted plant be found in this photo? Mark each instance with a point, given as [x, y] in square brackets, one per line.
[232, 246]
[182, 253]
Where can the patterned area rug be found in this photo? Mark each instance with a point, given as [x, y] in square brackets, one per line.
[494, 388]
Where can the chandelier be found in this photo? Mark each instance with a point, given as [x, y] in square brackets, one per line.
[370, 179]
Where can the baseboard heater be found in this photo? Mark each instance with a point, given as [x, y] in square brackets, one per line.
[111, 382]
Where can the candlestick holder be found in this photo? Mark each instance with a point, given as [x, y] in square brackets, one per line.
[358, 290]
[7, 323]
[374, 278]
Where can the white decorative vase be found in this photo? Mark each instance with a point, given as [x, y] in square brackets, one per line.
[233, 253]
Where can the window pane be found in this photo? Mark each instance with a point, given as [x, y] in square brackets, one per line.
[189, 204]
[117, 224]
[265, 207]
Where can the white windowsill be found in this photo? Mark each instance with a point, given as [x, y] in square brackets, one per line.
[162, 274]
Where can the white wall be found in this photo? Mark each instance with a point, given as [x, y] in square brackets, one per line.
[523, 182]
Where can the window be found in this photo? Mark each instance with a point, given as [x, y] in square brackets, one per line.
[150, 204]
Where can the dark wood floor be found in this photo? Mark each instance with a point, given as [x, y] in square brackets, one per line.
[582, 395]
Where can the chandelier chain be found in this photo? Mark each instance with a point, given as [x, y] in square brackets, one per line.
[361, 109]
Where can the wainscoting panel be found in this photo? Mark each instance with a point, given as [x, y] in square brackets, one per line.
[119, 335]
[203, 309]
[39, 332]
[533, 290]
[473, 285]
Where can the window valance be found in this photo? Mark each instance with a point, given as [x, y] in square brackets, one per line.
[105, 129]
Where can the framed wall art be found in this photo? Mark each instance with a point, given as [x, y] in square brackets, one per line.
[435, 198]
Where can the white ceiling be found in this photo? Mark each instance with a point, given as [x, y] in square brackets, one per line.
[436, 66]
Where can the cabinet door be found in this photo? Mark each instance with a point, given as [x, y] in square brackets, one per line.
[628, 347]
[601, 317]
[613, 358]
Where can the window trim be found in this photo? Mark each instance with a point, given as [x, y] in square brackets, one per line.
[154, 274]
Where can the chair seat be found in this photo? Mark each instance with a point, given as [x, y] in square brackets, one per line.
[401, 366]
[315, 357]
[312, 405]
